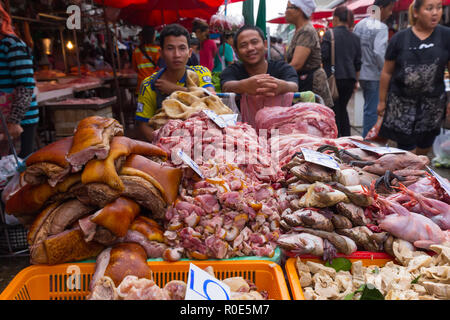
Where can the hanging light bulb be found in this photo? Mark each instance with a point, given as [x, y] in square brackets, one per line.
[69, 45]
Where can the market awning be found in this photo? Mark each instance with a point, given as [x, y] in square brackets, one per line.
[360, 6]
[322, 14]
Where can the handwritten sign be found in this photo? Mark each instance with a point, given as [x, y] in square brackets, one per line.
[203, 286]
[443, 182]
[187, 160]
[379, 150]
[321, 159]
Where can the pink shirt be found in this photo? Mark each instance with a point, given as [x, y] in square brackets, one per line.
[207, 53]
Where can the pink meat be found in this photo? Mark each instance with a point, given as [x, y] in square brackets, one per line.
[309, 118]
[410, 226]
[188, 207]
[208, 202]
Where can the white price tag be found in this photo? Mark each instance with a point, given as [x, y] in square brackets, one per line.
[202, 286]
[223, 120]
[230, 119]
[214, 117]
[320, 158]
[443, 182]
[379, 150]
[186, 159]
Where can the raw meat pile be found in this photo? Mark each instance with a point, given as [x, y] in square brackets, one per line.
[365, 205]
[308, 118]
[205, 142]
[226, 215]
[122, 273]
[418, 276]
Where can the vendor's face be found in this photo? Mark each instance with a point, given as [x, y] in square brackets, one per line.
[251, 47]
[292, 13]
[430, 13]
[176, 52]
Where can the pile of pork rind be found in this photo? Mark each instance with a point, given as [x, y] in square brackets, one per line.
[415, 275]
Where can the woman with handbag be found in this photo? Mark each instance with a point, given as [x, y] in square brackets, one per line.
[341, 56]
[304, 50]
[412, 92]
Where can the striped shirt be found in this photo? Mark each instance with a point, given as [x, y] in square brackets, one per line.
[143, 66]
[16, 69]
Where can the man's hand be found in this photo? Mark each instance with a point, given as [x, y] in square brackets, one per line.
[262, 84]
[167, 87]
[15, 130]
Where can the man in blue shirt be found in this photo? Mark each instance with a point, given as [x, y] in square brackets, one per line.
[373, 33]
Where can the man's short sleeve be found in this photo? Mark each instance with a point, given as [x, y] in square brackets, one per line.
[231, 73]
[307, 39]
[204, 76]
[284, 71]
[146, 104]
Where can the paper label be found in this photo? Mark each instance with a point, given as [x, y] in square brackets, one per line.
[222, 121]
[202, 286]
[186, 159]
[320, 158]
[443, 182]
[379, 150]
[230, 119]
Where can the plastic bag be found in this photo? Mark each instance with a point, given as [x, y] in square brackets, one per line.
[7, 169]
[220, 23]
[230, 101]
[441, 150]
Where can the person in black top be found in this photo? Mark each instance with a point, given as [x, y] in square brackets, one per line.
[255, 75]
[412, 91]
[347, 64]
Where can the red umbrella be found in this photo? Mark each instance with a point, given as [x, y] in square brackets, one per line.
[160, 12]
[360, 6]
[322, 14]
[160, 4]
[279, 20]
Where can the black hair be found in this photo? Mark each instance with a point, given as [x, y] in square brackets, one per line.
[148, 34]
[199, 25]
[417, 4]
[245, 28]
[342, 13]
[383, 3]
[175, 30]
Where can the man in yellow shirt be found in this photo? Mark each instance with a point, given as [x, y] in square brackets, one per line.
[175, 50]
[145, 56]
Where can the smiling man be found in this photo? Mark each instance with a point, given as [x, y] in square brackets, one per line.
[254, 75]
[175, 50]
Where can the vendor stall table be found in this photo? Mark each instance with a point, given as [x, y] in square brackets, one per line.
[65, 116]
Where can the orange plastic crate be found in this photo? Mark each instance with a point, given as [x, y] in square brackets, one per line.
[55, 282]
[294, 281]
